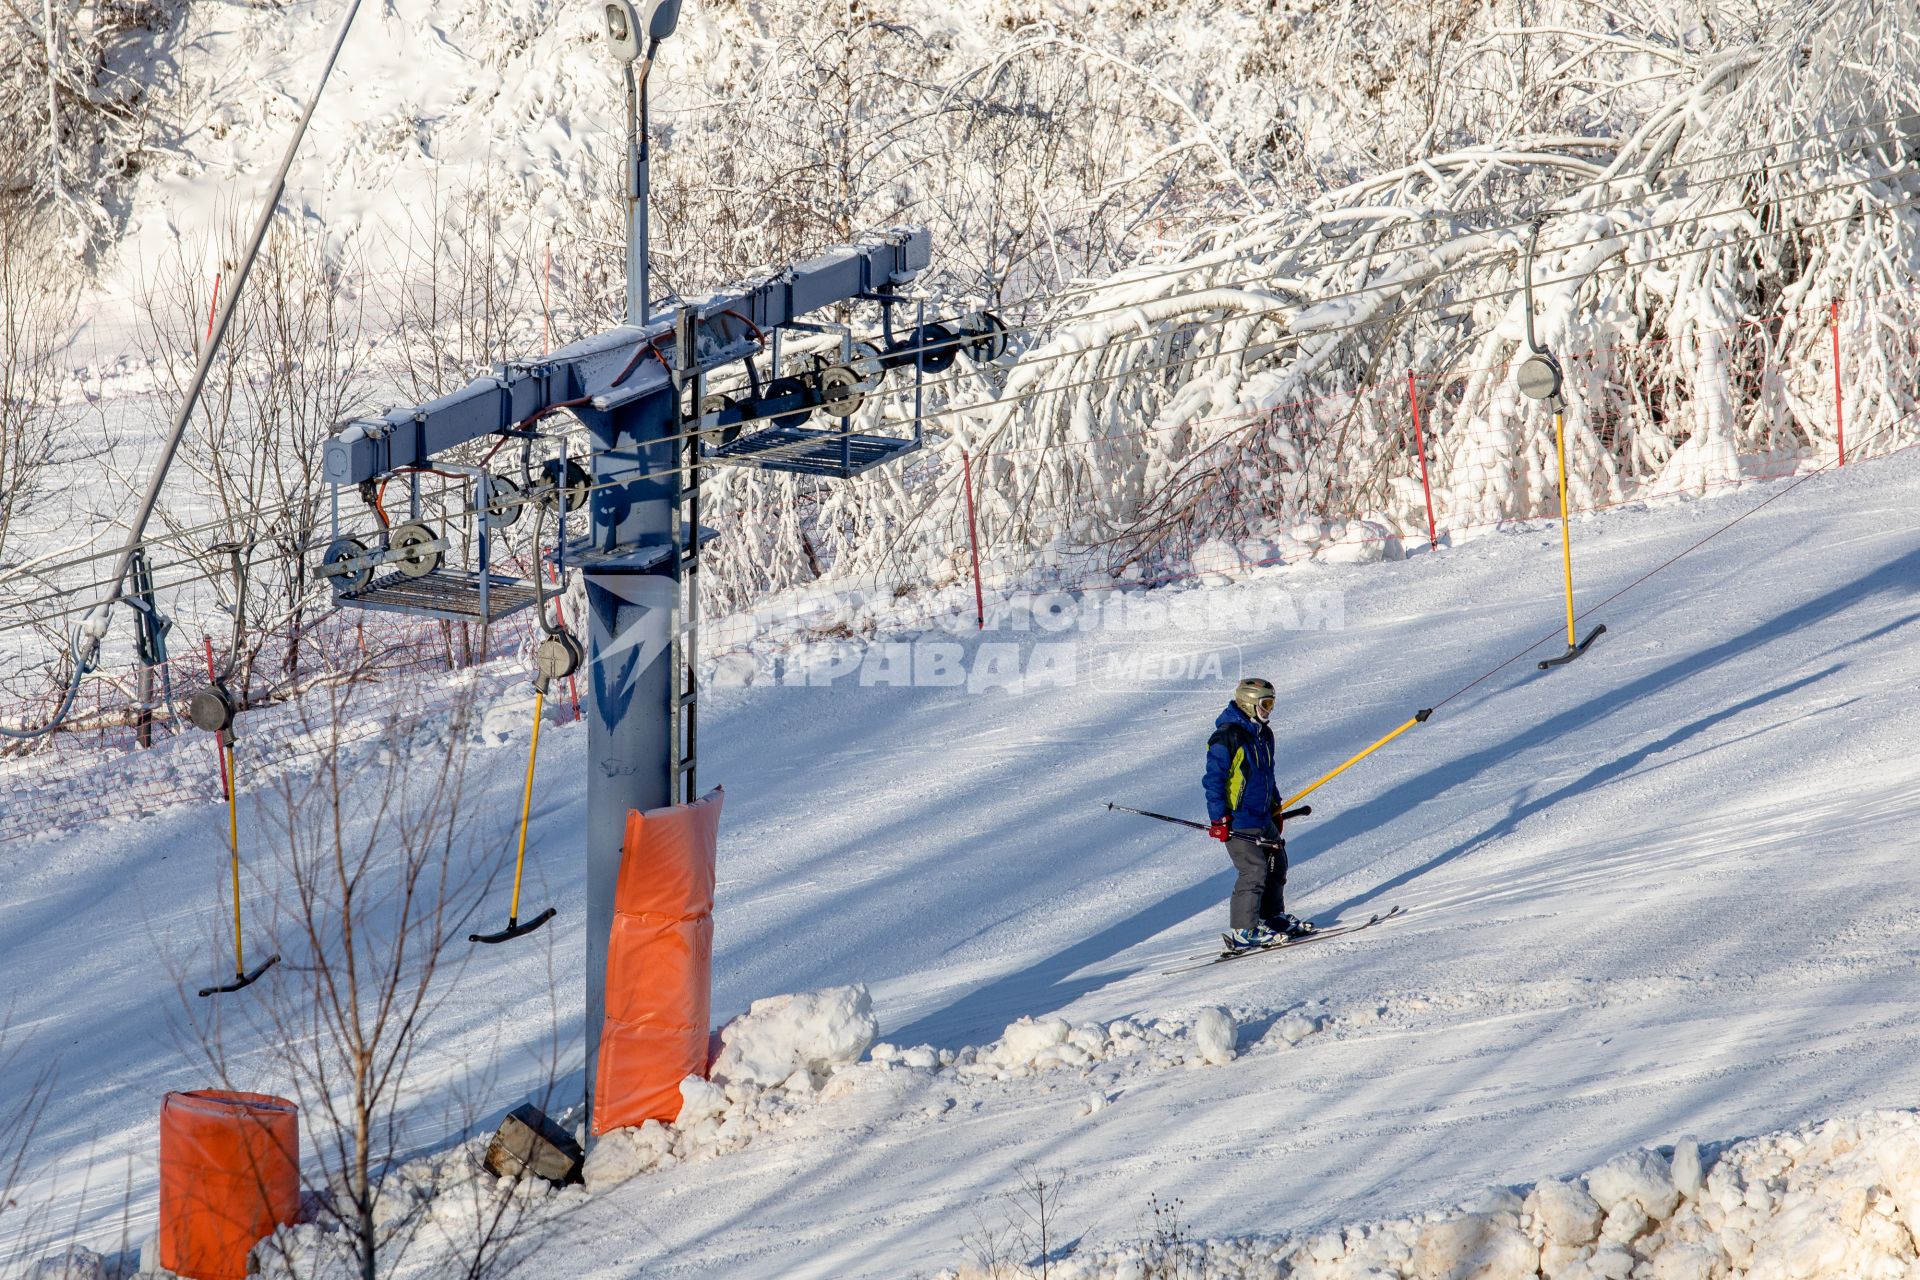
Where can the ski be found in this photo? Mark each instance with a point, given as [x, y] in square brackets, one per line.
[1332, 931]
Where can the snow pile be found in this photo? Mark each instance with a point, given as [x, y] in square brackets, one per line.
[1213, 1035]
[774, 1060]
[1030, 1046]
[789, 1051]
[1839, 1201]
[447, 1205]
[781, 1035]
[76, 1262]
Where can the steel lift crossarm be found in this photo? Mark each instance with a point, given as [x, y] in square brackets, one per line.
[622, 365]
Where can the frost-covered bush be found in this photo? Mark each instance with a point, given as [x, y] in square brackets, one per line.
[1691, 245]
[1222, 246]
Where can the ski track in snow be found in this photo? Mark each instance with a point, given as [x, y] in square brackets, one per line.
[1663, 891]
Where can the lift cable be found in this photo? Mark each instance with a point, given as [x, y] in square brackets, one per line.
[1425, 713]
[1353, 293]
[1188, 268]
[93, 629]
[1038, 392]
[1531, 203]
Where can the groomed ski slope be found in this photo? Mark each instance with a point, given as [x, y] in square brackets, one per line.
[1665, 891]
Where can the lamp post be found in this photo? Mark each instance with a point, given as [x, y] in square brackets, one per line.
[634, 34]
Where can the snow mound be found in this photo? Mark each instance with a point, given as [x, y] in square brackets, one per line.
[789, 1052]
[445, 1205]
[76, 1262]
[1213, 1033]
[815, 1032]
[1362, 542]
[1031, 1046]
[773, 1061]
[1840, 1201]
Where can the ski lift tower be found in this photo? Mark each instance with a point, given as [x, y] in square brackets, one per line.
[642, 391]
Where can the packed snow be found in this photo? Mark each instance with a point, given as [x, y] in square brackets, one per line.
[1661, 893]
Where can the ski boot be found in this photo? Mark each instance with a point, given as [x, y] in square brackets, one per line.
[1287, 926]
[1257, 938]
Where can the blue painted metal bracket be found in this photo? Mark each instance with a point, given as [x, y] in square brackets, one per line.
[623, 365]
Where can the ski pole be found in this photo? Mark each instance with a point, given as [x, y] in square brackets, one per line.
[1300, 812]
[1418, 717]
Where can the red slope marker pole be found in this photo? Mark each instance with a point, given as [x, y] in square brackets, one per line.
[219, 752]
[1420, 446]
[1839, 423]
[973, 539]
[213, 307]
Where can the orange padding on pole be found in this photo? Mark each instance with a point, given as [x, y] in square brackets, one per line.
[659, 964]
[229, 1174]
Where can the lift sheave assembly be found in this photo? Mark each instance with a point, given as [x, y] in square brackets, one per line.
[751, 383]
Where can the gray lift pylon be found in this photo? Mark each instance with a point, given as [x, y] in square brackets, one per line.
[631, 387]
[641, 391]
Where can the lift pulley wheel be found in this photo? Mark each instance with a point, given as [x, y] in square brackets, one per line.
[416, 549]
[786, 388]
[842, 391]
[556, 485]
[506, 504]
[719, 402]
[989, 336]
[347, 562]
[936, 346]
[211, 710]
[557, 657]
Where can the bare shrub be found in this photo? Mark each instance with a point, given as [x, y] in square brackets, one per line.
[373, 869]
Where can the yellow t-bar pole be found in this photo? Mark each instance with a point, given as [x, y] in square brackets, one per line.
[526, 802]
[1418, 717]
[233, 847]
[1566, 536]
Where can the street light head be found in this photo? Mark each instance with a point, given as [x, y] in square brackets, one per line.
[630, 30]
[623, 26]
[659, 18]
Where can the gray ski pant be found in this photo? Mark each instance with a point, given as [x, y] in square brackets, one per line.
[1260, 892]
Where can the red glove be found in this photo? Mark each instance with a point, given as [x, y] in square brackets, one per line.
[1219, 829]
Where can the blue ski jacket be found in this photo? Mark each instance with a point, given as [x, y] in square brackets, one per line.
[1239, 781]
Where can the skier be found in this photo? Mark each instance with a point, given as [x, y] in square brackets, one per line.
[1243, 808]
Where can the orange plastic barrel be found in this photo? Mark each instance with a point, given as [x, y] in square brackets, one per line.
[229, 1174]
[659, 964]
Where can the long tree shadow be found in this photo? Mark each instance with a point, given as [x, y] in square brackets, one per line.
[1593, 778]
[1898, 575]
[1050, 983]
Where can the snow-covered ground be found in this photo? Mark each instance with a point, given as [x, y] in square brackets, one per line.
[1664, 892]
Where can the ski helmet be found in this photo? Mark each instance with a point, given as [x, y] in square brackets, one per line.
[1250, 694]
